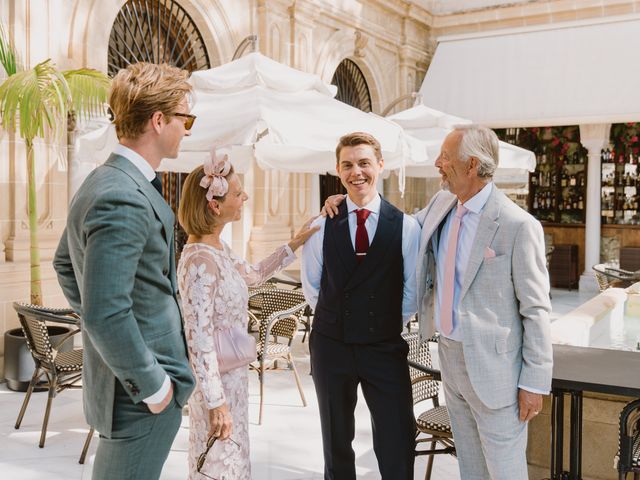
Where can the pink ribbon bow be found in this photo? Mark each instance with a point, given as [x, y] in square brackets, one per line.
[215, 171]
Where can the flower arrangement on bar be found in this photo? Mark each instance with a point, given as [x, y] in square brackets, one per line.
[625, 137]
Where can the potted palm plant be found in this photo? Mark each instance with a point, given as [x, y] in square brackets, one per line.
[35, 102]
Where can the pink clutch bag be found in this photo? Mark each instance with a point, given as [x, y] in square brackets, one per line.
[234, 348]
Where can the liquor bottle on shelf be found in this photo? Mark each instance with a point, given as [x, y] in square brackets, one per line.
[572, 181]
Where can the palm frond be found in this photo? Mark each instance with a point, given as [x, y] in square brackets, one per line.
[89, 89]
[8, 55]
[39, 98]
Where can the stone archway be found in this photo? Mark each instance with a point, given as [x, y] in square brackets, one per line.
[342, 45]
[350, 69]
[160, 31]
[352, 90]
[92, 22]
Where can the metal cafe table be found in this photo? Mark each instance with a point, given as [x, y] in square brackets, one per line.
[585, 369]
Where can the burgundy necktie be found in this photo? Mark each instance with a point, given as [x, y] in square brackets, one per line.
[362, 238]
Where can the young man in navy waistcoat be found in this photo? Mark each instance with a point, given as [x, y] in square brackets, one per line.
[358, 274]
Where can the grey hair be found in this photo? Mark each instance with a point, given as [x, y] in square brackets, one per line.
[482, 143]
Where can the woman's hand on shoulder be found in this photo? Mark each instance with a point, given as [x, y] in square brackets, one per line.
[303, 234]
[331, 204]
[220, 422]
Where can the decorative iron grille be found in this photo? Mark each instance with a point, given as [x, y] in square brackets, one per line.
[352, 86]
[352, 90]
[172, 184]
[155, 31]
[158, 31]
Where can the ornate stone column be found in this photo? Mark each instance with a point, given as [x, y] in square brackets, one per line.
[594, 138]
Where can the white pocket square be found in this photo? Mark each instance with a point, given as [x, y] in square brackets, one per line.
[489, 253]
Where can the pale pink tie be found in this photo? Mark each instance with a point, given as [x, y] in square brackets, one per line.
[446, 305]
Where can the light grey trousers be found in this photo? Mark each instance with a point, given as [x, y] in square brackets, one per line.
[490, 443]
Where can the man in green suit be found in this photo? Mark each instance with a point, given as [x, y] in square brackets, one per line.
[116, 265]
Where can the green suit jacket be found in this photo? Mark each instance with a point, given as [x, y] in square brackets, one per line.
[116, 265]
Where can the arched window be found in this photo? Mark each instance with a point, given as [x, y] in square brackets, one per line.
[158, 31]
[352, 90]
[352, 86]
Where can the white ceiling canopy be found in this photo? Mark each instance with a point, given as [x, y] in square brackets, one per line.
[569, 74]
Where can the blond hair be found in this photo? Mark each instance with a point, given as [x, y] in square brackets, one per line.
[358, 138]
[194, 213]
[142, 89]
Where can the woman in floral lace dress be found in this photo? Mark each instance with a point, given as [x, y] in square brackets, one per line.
[213, 286]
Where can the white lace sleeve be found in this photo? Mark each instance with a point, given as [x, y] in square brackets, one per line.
[201, 277]
[255, 274]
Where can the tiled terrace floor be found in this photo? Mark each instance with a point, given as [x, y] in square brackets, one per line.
[286, 447]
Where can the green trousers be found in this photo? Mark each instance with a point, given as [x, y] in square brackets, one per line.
[139, 443]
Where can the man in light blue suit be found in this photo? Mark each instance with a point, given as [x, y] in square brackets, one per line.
[491, 304]
[116, 265]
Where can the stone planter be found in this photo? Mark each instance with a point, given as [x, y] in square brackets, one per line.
[18, 362]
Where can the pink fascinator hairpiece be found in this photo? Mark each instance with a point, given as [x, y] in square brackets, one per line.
[215, 171]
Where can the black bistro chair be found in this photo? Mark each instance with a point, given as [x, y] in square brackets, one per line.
[54, 370]
[255, 304]
[628, 458]
[278, 325]
[433, 426]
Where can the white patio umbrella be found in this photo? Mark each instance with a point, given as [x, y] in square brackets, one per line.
[284, 118]
[432, 126]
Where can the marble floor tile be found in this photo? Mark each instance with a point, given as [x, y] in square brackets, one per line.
[287, 446]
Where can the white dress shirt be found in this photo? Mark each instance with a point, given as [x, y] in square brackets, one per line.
[145, 168]
[312, 260]
[137, 159]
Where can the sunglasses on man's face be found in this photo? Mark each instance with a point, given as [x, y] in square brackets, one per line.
[203, 456]
[188, 119]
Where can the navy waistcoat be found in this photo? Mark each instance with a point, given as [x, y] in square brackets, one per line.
[361, 303]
